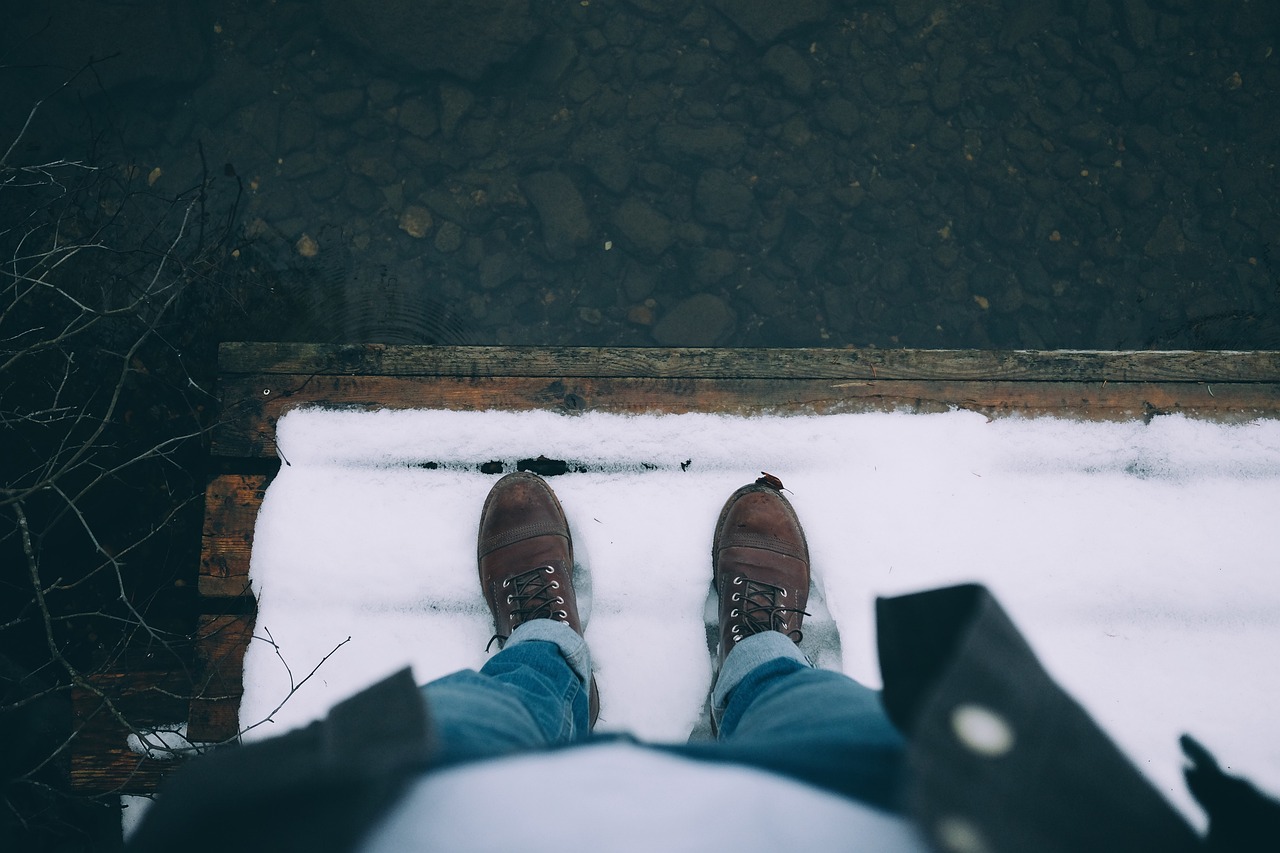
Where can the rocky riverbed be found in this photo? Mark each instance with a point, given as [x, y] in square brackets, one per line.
[931, 173]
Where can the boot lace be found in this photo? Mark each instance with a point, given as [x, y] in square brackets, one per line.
[531, 595]
[758, 607]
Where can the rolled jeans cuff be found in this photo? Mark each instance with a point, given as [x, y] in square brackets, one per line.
[745, 656]
[572, 647]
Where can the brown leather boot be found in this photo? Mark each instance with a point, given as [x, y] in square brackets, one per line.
[760, 562]
[526, 559]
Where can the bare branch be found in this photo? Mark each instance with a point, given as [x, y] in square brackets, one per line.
[293, 687]
[55, 653]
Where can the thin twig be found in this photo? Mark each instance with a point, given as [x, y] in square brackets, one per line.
[293, 688]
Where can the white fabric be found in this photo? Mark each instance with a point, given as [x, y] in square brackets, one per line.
[618, 796]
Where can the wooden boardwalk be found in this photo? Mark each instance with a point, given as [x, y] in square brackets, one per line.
[259, 382]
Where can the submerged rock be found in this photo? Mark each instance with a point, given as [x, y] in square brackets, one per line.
[645, 229]
[765, 21]
[561, 210]
[721, 199]
[461, 37]
[702, 320]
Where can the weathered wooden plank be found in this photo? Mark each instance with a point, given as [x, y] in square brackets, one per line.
[247, 428]
[719, 363]
[231, 507]
[102, 766]
[221, 643]
[101, 761]
[215, 720]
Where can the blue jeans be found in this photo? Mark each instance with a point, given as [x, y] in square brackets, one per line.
[773, 711]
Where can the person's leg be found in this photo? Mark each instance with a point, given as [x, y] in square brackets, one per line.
[770, 707]
[775, 710]
[529, 695]
[538, 690]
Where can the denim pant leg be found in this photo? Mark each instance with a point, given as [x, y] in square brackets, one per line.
[774, 710]
[531, 694]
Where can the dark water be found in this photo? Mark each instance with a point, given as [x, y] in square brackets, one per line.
[1073, 174]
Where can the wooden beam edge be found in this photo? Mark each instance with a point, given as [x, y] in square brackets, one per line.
[759, 363]
[249, 420]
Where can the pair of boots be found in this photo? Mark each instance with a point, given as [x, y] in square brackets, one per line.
[759, 558]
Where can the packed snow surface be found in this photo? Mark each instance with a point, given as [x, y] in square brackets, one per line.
[1139, 559]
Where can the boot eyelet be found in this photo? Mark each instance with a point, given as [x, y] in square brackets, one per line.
[549, 569]
[555, 584]
[736, 596]
[784, 593]
[559, 600]
[562, 615]
[736, 638]
[734, 631]
[508, 599]
[737, 581]
[733, 612]
[506, 583]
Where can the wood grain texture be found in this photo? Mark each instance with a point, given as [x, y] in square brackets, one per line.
[720, 363]
[247, 428]
[231, 508]
[101, 761]
[221, 643]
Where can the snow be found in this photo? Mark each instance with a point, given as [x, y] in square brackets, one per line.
[1139, 559]
[164, 743]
